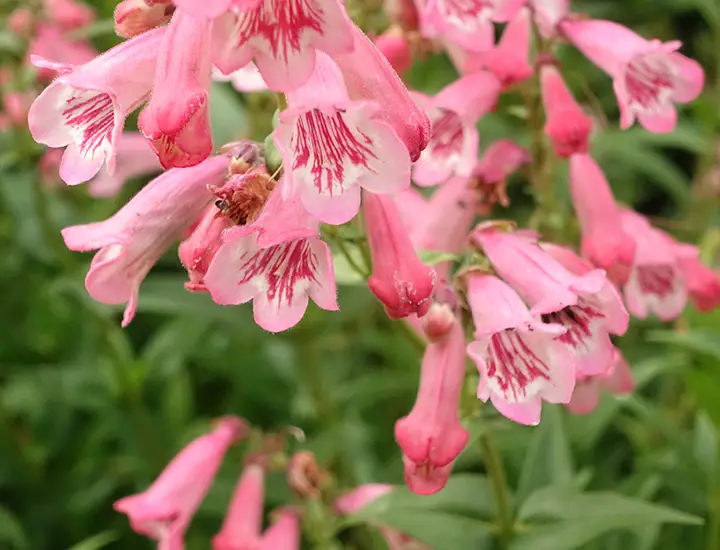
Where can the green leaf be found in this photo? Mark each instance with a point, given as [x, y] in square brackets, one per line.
[96, 541]
[434, 257]
[11, 531]
[698, 341]
[548, 460]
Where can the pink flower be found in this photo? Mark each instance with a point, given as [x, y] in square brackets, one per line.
[403, 13]
[214, 8]
[548, 14]
[454, 112]
[520, 360]
[509, 60]
[282, 36]
[431, 436]
[585, 304]
[284, 534]
[604, 240]
[85, 108]
[490, 176]
[164, 511]
[332, 146]
[68, 14]
[176, 119]
[132, 240]
[48, 165]
[134, 158]
[49, 42]
[703, 283]
[278, 261]
[617, 381]
[20, 21]
[246, 79]
[396, 49]
[16, 106]
[134, 17]
[567, 126]
[369, 76]
[242, 527]
[399, 279]
[649, 77]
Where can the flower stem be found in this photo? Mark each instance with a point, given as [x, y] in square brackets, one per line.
[498, 480]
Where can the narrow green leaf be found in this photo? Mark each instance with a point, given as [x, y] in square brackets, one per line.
[11, 531]
[698, 341]
[96, 541]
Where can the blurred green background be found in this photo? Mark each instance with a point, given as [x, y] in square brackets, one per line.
[90, 412]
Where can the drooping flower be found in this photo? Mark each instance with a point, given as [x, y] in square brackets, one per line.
[649, 76]
[284, 533]
[490, 175]
[509, 60]
[703, 283]
[520, 359]
[567, 126]
[604, 240]
[241, 529]
[431, 436]
[177, 119]
[617, 381]
[399, 279]
[134, 17]
[585, 304]
[395, 47]
[85, 108]
[454, 112]
[332, 146]
[132, 240]
[49, 42]
[278, 261]
[282, 37]
[164, 511]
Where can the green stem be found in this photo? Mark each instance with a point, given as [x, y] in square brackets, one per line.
[363, 271]
[498, 480]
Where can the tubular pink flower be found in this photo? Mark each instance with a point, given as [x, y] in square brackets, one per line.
[548, 14]
[282, 36]
[617, 381]
[499, 161]
[134, 157]
[164, 511]
[214, 8]
[520, 360]
[85, 108]
[399, 279]
[604, 240]
[68, 15]
[241, 529]
[176, 119]
[277, 261]
[333, 146]
[134, 17]
[703, 283]
[585, 304]
[431, 436]
[567, 126]
[396, 49]
[509, 60]
[51, 43]
[284, 534]
[369, 76]
[131, 241]
[454, 112]
[649, 76]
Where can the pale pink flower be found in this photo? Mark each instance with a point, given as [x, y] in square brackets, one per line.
[134, 17]
[703, 283]
[604, 240]
[649, 76]
[509, 61]
[132, 240]
[396, 49]
[282, 36]
[278, 262]
[585, 304]
[431, 436]
[68, 14]
[399, 279]
[247, 79]
[617, 381]
[567, 126]
[164, 511]
[177, 118]
[135, 157]
[333, 146]
[548, 14]
[467, 61]
[520, 360]
[50, 42]
[242, 527]
[213, 8]
[284, 533]
[454, 112]
[84, 109]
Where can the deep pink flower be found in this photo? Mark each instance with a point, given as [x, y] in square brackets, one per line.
[509, 61]
[282, 36]
[396, 49]
[332, 146]
[649, 77]
[68, 14]
[132, 240]
[454, 112]
[134, 17]
[567, 126]
[278, 261]
[617, 381]
[431, 436]
[242, 527]
[520, 359]
[85, 108]
[585, 304]
[548, 14]
[399, 279]
[703, 283]
[284, 533]
[164, 511]
[177, 118]
[604, 240]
